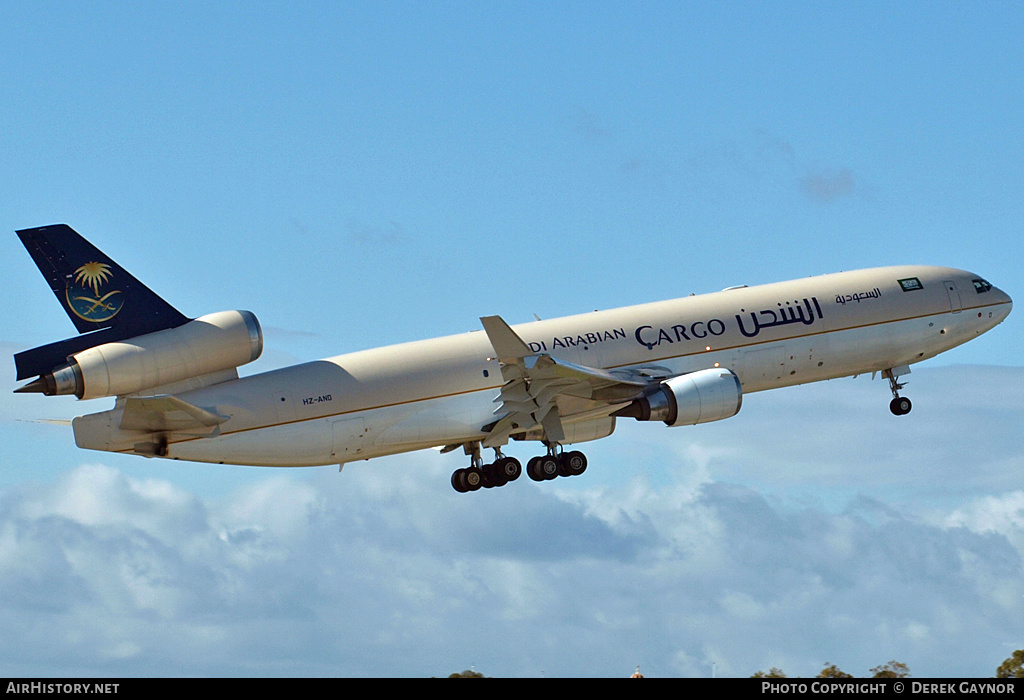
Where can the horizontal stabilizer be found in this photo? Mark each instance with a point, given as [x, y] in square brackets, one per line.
[158, 414]
[43, 359]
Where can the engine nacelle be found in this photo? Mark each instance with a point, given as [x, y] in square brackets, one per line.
[698, 397]
[211, 343]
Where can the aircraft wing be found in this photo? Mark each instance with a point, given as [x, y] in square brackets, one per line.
[534, 383]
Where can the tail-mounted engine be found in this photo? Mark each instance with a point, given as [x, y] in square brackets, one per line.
[211, 343]
[698, 397]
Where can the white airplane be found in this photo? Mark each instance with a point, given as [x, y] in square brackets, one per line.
[560, 382]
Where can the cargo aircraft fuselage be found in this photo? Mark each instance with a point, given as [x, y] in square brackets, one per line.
[559, 382]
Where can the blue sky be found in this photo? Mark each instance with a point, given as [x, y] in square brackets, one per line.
[359, 174]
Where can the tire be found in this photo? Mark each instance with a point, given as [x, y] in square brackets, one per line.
[472, 478]
[573, 463]
[490, 477]
[548, 467]
[532, 469]
[508, 469]
[900, 406]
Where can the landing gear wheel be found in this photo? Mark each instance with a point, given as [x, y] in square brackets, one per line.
[472, 478]
[900, 406]
[548, 467]
[573, 463]
[457, 482]
[508, 469]
[489, 477]
[533, 470]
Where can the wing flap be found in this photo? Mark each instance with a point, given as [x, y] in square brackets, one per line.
[534, 383]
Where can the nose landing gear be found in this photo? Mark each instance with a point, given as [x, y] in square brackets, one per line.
[900, 405]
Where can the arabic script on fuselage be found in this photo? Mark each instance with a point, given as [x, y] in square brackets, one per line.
[750, 324]
[792, 312]
[858, 297]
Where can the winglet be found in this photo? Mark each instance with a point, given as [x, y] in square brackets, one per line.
[509, 346]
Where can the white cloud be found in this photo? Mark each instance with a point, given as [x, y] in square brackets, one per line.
[741, 548]
[358, 588]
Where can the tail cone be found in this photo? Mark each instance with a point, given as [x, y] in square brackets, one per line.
[40, 385]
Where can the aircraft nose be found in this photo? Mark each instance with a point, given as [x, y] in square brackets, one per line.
[1005, 303]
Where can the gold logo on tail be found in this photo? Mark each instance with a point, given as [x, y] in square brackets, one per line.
[84, 297]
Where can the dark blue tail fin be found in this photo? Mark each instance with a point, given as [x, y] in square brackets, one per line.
[99, 296]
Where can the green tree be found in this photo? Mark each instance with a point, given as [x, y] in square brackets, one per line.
[467, 674]
[1013, 667]
[832, 671]
[772, 673]
[893, 669]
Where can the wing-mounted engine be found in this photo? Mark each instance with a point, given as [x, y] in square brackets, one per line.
[211, 343]
[697, 397]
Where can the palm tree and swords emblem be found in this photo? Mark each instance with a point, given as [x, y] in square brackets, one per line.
[90, 277]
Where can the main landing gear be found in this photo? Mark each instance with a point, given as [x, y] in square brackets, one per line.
[900, 405]
[553, 464]
[505, 469]
[479, 475]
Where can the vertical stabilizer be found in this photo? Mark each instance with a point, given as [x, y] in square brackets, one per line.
[94, 290]
[98, 295]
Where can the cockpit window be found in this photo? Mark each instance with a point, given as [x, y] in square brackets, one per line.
[981, 286]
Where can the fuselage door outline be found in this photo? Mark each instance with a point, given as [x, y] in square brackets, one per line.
[955, 305]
